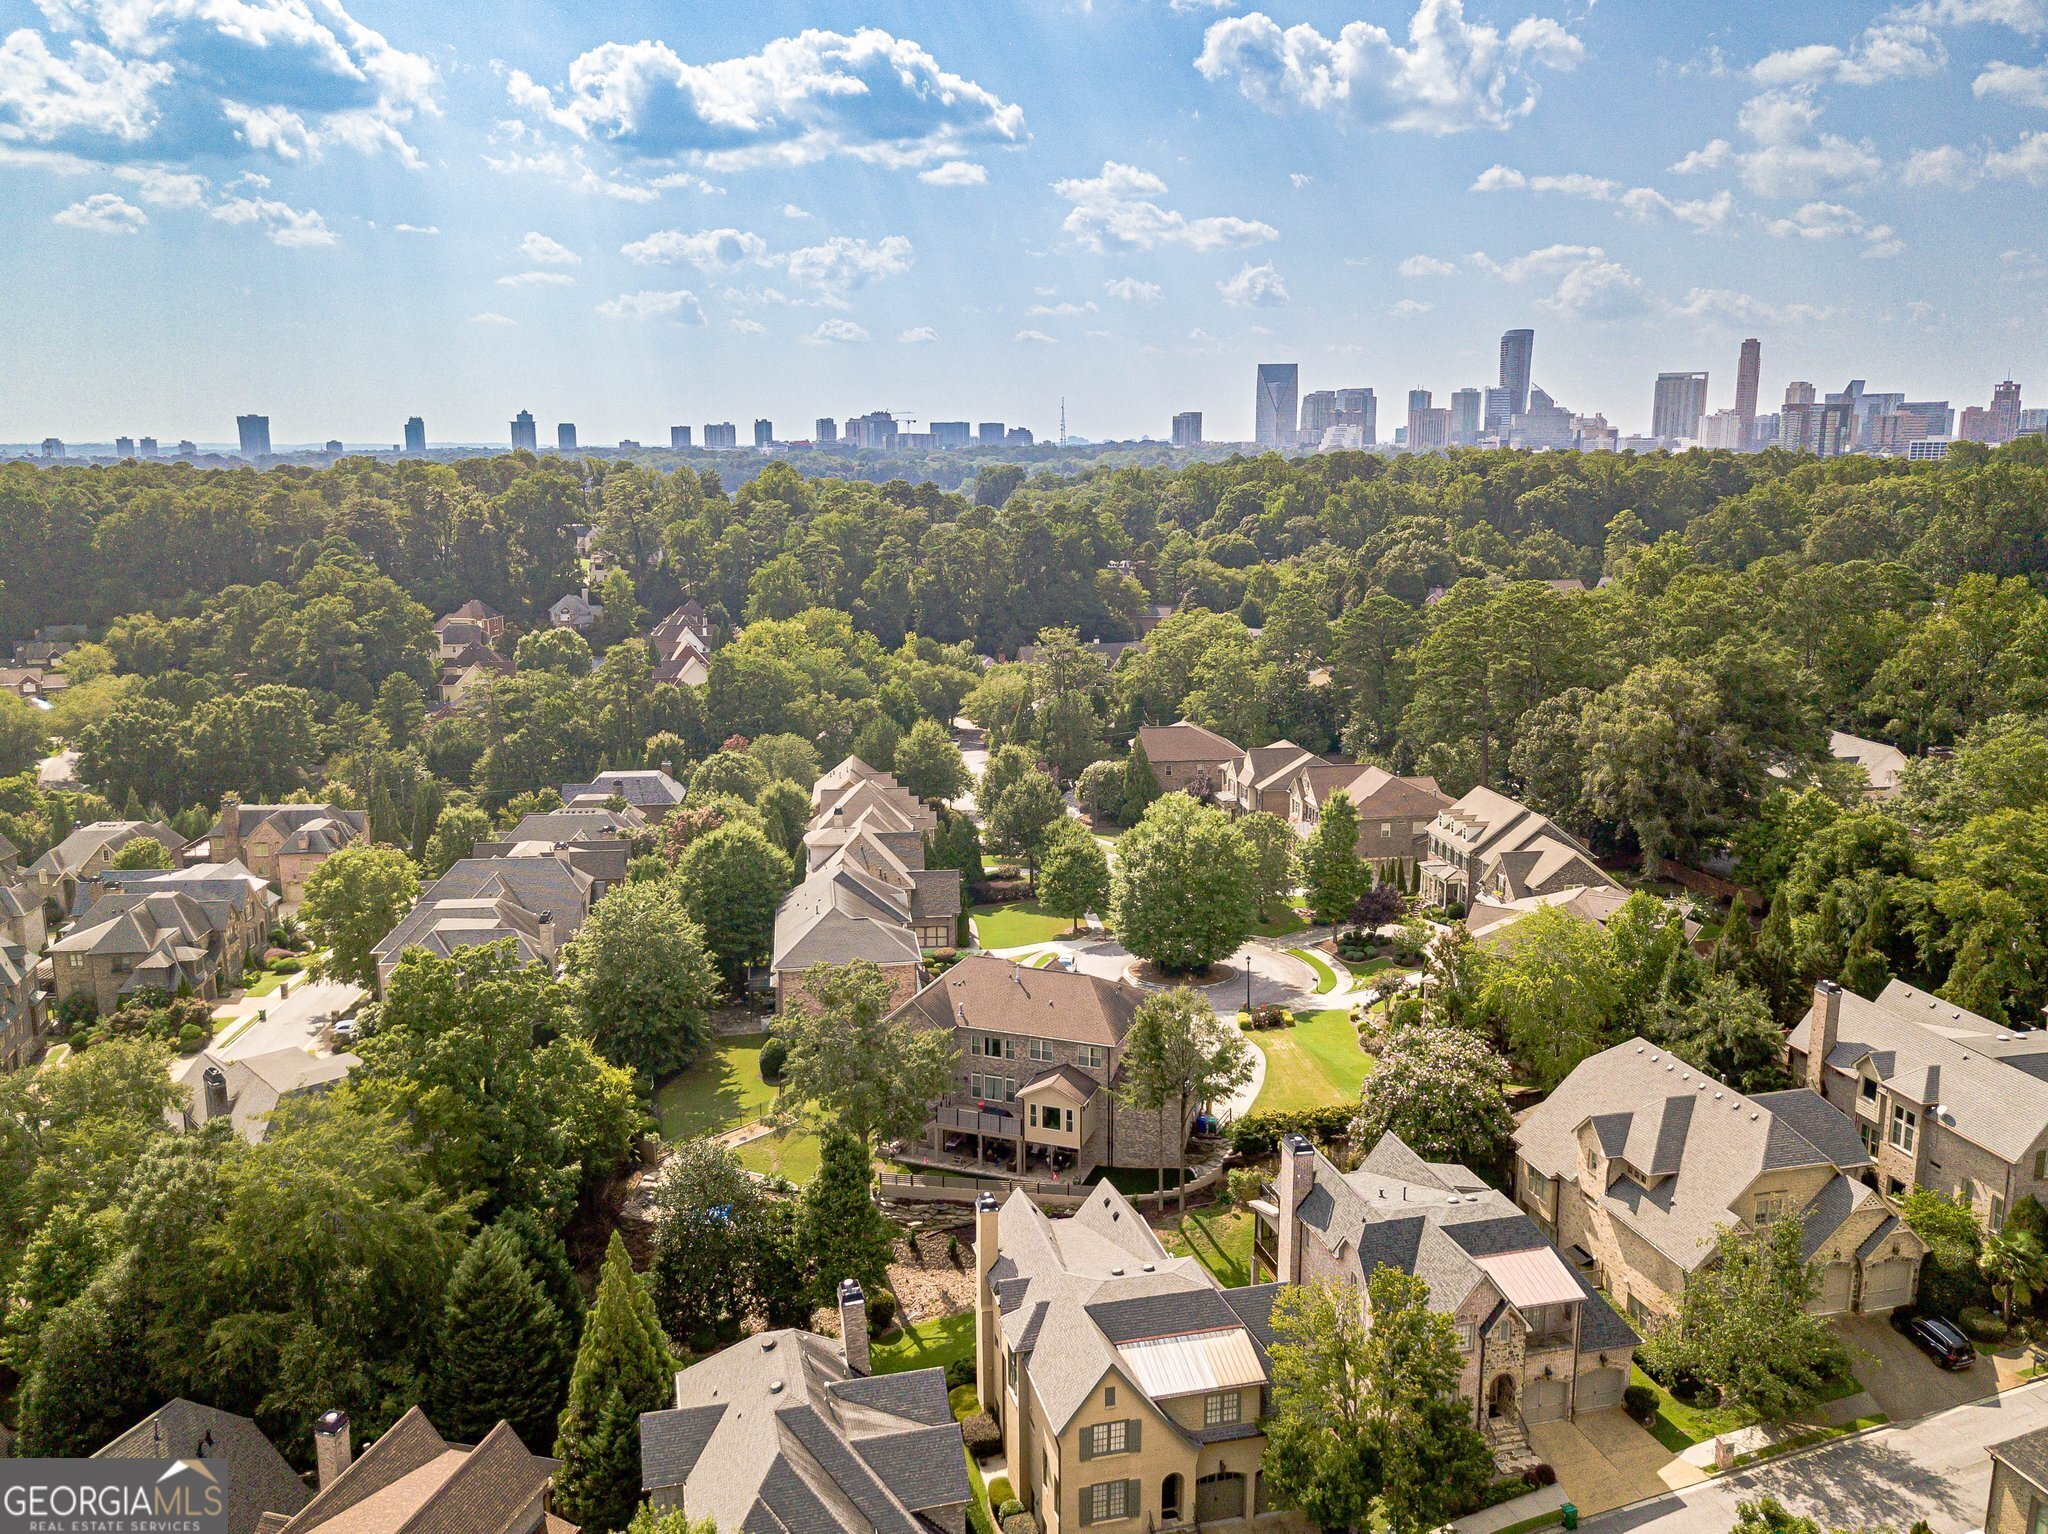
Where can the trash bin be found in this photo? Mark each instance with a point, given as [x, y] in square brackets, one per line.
[1571, 1515]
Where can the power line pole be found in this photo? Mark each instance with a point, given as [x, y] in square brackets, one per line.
[1063, 420]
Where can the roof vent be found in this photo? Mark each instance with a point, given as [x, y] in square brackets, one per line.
[768, 1344]
[1116, 1272]
[1148, 1267]
[775, 1387]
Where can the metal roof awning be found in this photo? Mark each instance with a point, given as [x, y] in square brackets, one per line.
[1193, 1363]
[1537, 1276]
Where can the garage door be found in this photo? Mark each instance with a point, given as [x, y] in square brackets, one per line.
[1837, 1281]
[1601, 1388]
[1887, 1284]
[1545, 1401]
[1219, 1497]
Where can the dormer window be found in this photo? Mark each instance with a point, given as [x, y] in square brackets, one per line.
[1769, 1206]
[1870, 1089]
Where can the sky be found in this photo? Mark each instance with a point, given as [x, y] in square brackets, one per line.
[340, 213]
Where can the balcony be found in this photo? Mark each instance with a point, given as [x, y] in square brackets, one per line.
[976, 1120]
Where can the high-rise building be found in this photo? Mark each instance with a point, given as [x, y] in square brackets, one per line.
[1318, 414]
[147, 447]
[1977, 425]
[1419, 399]
[1545, 424]
[1936, 418]
[415, 435]
[1468, 416]
[1724, 430]
[1017, 436]
[2033, 421]
[1517, 354]
[1357, 407]
[678, 438]
[1837, 429]
[1927, 449]
[875, 430]
[2005, 411]
[764, 432]
[254, 432]
[1800, 393]
[565, 437]
[989, 433]
[187, 448]
[1680, 401]
[53, 447]
[1498, 414]
[825, 431]
[1275, 407]
[524, 433]
[1428, 429]
[1187, 429]
[333, 448]
[1748, 370]
[721, 434]
[951, 434]
[124, 447]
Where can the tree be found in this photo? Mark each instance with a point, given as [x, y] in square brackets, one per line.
[644, 978]
[144, 852]
[785, 811]
[1442, 1091]
[562, 651]
[1367, 1429]
[1179, 1055]
[1330, 869]
[1664, 758]
[1380, 904]
[22, 736]
[1074, 875]
[710, 1219]
[732, 880]
[457, 830]
[1100, 792]
[729, 772]
[1181, 893]
[1022, 815]
[500, 1357]
[649, 1519]
[872, 1074]
[352, 900]
[786, 758]
[91, 1378]
[929, 764]
[1951, 1276]
[1554, 990]
[1141, 783]
[1726, 1029]
[2016, 1267]
[1270, 847]
[622, 1370]
[841, 1232]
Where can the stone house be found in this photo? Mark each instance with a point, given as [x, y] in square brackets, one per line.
[1129, 1385]
[240, 906]
[1186, 758]
[131, 942]
[1262, 778]
[411, 1480]
[32, 684]
[651, 791]
[1637, 1163]
[283, 844]
[1487, 845]
[839, 916]
[247, 1091]
[575, 611]
[1941, 1098]
[24, 1020]
[1039, 1063]
[54, 877]
[1394, 813]
[2019, 1485]
[473, 622]
[1539, 1343]
[530, 898]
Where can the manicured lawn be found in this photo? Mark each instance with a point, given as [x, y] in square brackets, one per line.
[791, 1153]
[1285, 923]
[722, 1090]
[1326, 977]
[925, 1344]
[264, 983]
[1221, 1239]
[1040, 960]
[1016, 923]
[1678, 1426]
[1315, 1064]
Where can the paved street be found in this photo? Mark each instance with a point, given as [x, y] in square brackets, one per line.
[288, 1022]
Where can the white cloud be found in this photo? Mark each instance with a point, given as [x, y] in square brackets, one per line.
[489, 317]
[2025, 161]
[1588, 283]
[1703, 214]
[1033, 335]
[1641, 202]
[162, 188]
[1729, 306]
[1254, 287]
[1790, 157]
[1832, 221]
[1188, 7]
[954, 173]
[791, 210]
[837, 332]
[746, 326]
[708, 250]
[293, 228]
[1300, 179]
[2028, 16]
[544, 251]
[102, 213]
[1409, 308]
[572, 171]
[1426, 266]
[867, 95]
[1887, 50]
[1944, 165]
[832, 268]
[536, 280]
[1062, 311]
[1451, 76]
[416, 228]
[1714, 154]
[918, 335]
[1134, 290]
[1116, 209]
[2014, 82]
[678, 304]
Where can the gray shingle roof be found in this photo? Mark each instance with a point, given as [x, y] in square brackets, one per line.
[256, 1479]
[2027, 1455]
[1819, 1123]
[671, 1442]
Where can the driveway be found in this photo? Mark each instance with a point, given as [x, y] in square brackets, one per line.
[291, 1022]
[1605, 1459]
[1905, 1382]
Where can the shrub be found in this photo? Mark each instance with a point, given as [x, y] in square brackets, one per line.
[287, 966]
[959, 1372]
[941, 960]
[1981, 1324]
[1540, 1474]
[953, 1250]
[190, 1037]
[1272, 1015]
[702, 1341]
[999, 1492]
[1006, 1509]
[1258, 1133]
[774, 1055]
[981, 1435]
[1640, 1402]
[881, 1311]
[1020, 1522]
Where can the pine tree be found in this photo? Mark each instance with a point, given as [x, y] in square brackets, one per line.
[501, 1339]
[1735, 949]
[548, 1261]
[839, 1226]
[1330, 870]
[1141, 783]
[1867, 967]
[622, 1370]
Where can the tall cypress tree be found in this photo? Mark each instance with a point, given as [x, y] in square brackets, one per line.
[1330, 870]
[548, 1261]
[622, 1370]
[501, 1341]
[839, 1226]
[1141, 783]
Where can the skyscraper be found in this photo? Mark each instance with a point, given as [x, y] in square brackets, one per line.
[2005, 411]
[678, 437]
[1517, 352]
[124, 447]
[764, 431]
[1187, 429]
[1318, 414]
[254, 432]
[1468, 416]
[1746, 373]
[721, 434]
[1276, 404]
[951, 434]
[565, 437]
[989, 433]
[1799, 393]
[415, 435]
[1675, 410]
[148, 446]
[1357, 407]
[1499, 414]
[524, 434]
[826, 430]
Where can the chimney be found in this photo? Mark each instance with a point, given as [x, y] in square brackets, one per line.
[216, 1083]
[331, 1448]
[1297, 1176]
[230, 849]
[547, 933]
[853, 1325]
[987, 1317]
[1824, 1024]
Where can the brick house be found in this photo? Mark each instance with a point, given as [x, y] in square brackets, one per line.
[1942, 1098]
[23, 1018]
[283, 844]
[1487, 845]
[132, 942]
[2019, 1485]
[1394, 813]
[1186, 758]
[54, 877]
[1263, 777]
[650, 790]
[1637, 1162]
[530, 897]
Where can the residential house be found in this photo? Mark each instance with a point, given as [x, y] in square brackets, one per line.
[788, 1430]
[413, 1481]
[470, 669]
[2019, 1485]
[54, 877]
[1038, 1071]
[531, 898]
[253, 1477]
[689, 619]
[1488, 846]
[681, 645]
[651, 791]
[473, 622]
[45, 653]
[1637, 1162]
[1261, 778]
[1394, 813]
[575, 611]
[1127, 1382]
[32, 684]
[850, 770]
[23, 1018]
[246, 1091]
[1881, 762]
[1538, 1342]
[188, 931]
[594, 839]
[836, 916]
[10, 857]
[1491, 922]
[1186, 758]
[1942, 1098]
[280, 843]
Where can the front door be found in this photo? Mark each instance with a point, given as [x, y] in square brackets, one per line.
[1500, 1400]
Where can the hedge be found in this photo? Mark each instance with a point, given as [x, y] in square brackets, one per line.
[1257, 1133]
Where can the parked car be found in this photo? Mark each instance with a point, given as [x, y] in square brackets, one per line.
[345, 1030]
[1941, 1340]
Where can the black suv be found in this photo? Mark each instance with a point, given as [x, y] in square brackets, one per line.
[1941, 1340]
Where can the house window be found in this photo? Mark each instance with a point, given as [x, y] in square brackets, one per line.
[1893, 1188]
[1031, 1115]
[998, 1049]
[1870, 1140]
[2041, 1165]
[1386, 830]
[1109, 1395]
[1221, 1407]
[1869, 1089]
[1095, 1056]
[1997, 1212]
[2037, 1518]
[1108, 1438]
[1105, 1501]
[1041, 1050]
[1070, 1120]
[1768, 1207]
[1466, 1335]
[1905, 1128]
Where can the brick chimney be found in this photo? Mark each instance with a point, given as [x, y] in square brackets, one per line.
[332, 1449]
[987, 1317]
[853, 1326]
[1824, 1026]
[228, 847]
[1297, 1176]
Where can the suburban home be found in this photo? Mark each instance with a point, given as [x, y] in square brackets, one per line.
[240, 906]
[413, 1481]
[23, 1017]
[788, 1430]
[1127, 1382]
[467, 671]
[186, 931]
[247, 1091]
[575, 611]
[1262, 777]
[594, 839]
[839, 915]
[1638, 1162]
[1880, 762]
[1186, 758]
[651, 791]
[1488, 846]
[32, 684]
[1394, 813]
[1942, 1098]
[690, 620]
[280, 843]
[1039, 1064]
[10, 857]
[54, 877]
[849, 771]
[485, 619]
[254, 1479]
[1539, 1343]
[1492, 922]
[681, 643]
[532, 898]
[2019, 1485]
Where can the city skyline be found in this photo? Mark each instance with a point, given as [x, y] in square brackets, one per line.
[1125, 203]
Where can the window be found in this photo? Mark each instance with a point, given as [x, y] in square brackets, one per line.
[1768, 1207]
[1109, 1395]
[1386, 830]
[1070, 1120]
[1222, 1406]
[998, 1049]
[1094, 1057]
[1108, 1438]
[2041, 1166]
[1870, 1138]
[1031, 1115]
[1997, 1215]
[1107, 1500]
[1040, 1050]
[1893, 1188]
[2037, 1518]
[1870, 1089]
[1466, 1334]
[1905, 1128]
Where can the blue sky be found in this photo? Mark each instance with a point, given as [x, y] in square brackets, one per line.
[342, 212]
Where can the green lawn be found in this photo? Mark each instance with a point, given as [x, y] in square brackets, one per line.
[1678, 1426]
[1017, 922]
[1285, 923]
[264, 983]
[925, 1344]
[791, 1153]
[1221, 1239]
[1315, 1064]
[1326, 977]
[1041, 960]
[722, 1090]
